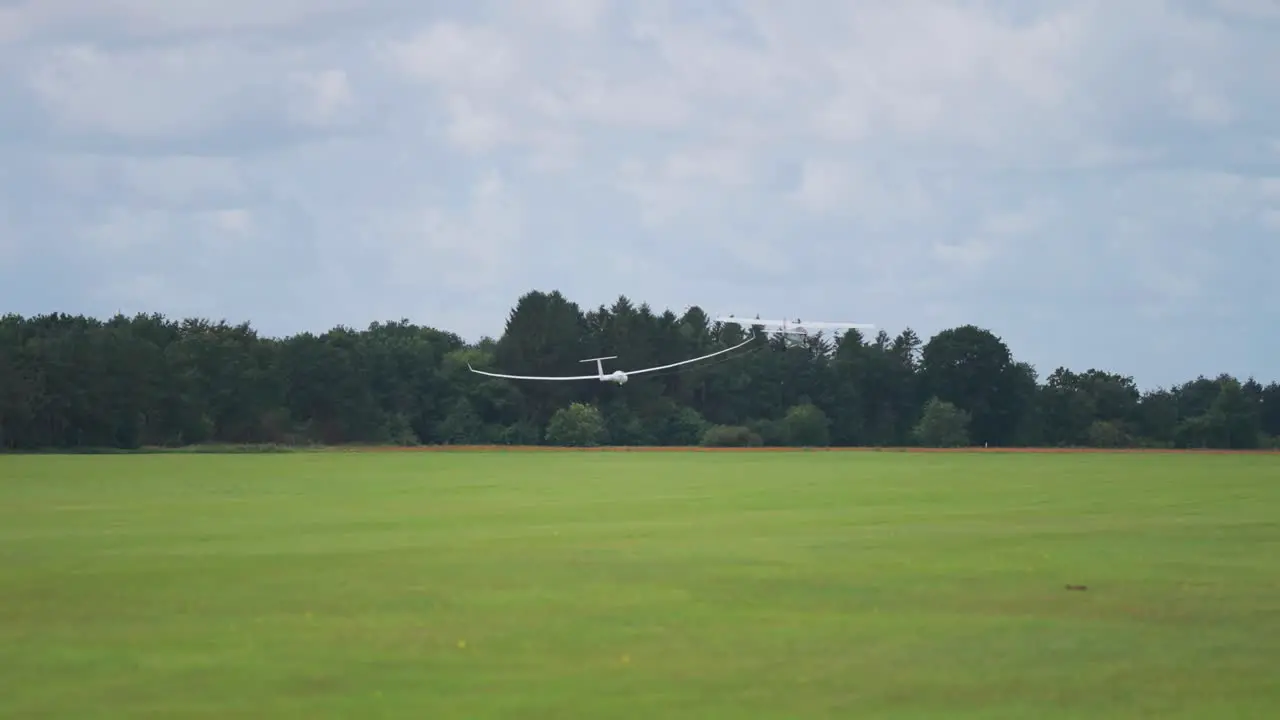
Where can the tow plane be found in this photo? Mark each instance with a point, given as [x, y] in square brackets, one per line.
[793, 332]
[617, 376]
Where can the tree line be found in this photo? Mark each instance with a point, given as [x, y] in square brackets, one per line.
[128, 382]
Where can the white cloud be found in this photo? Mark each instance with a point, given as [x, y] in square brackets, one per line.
[449, 54]
[473, 247]
[326, 97]
[152, 93]
[231, 221]
[123, 230]
[9, 243]
[1259, 9]
[1199, 102]
[678, 183]
[937, 69]
[476, 130]
[165, 180]
[150, 18]
[1008, 164]
[863, 194]
[825, 186]
[1000, 233]
[574, 16]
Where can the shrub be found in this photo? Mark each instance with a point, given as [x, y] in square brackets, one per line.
[942, 424]
[773, 433]
[685, 427]
[1107, 434]
[806, 425]
[579, 425]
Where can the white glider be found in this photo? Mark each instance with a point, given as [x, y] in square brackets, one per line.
[617, 376]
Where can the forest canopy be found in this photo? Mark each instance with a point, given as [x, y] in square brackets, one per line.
[128, 382]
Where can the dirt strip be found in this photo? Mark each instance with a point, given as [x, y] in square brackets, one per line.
[548, 448]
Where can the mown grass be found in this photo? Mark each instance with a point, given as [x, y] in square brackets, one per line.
[634, 585]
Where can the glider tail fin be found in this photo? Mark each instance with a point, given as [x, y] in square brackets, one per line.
[599, 363]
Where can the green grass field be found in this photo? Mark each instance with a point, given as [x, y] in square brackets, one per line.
[640, 585]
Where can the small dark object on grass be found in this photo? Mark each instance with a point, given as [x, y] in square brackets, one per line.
[1077, 587]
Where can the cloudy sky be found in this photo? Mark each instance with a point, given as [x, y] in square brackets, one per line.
[1098, 182]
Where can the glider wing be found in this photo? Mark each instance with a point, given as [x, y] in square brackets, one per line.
[598, 377]
[532, 377]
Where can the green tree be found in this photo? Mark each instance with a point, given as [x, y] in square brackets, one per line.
[73, 381]
[546, 334]
[1107, 434]
[684, 426]
[974, 370]
[1269, 410]
[807, 426]
[1157, 417]
[1238, 414]
[1067, 409]
[461, 426]
[578, 425]
[942, 425]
